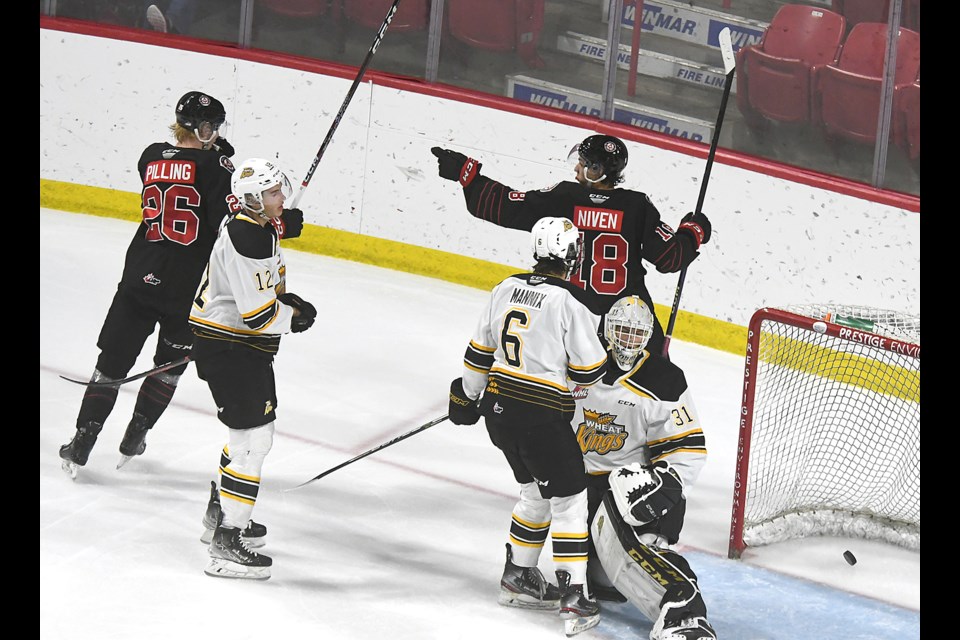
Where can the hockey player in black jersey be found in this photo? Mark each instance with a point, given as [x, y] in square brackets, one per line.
[185, 195]
[534, 334]
[643, 449]
[621, 228]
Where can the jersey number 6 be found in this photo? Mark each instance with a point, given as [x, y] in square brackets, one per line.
[510, 342]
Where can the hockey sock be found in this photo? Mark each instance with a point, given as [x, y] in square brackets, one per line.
[240, 478]
[155, 395]
[569, 535]
[97, 401]
[529, 526]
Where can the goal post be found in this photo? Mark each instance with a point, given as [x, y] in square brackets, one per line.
[829, 427]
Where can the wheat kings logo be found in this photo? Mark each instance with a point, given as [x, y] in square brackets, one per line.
[600, 433]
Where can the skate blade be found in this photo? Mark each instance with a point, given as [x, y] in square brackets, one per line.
[70, 468]
[253, 543]
[220, 568]
[508, 598]
[124, 460]
[573, 626]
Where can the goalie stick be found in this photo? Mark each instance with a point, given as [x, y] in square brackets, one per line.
[346, 101]
[729, 66]
[424, 427]
[117, 383]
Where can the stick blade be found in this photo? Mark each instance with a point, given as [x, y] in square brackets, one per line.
[726, 50]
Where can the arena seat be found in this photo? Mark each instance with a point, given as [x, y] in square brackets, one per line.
[847, 93]
[857, 11]
[906, 118]
[412, 15]
[774, 76]
[499, 25]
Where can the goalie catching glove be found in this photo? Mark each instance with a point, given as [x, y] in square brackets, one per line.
[644, 493]
[456, 166]
[289, 225]
[307, 312]
[463, 410]
[698, 226]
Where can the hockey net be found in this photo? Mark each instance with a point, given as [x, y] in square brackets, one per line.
[829, 427]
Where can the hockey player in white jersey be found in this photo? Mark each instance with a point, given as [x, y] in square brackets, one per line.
[534, 335]
[240, 312]
[643, 449]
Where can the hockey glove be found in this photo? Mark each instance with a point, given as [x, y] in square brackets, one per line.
[644, 493]
[463, 410]
[456, 166]
[289, 224]
[224, 147]
[307, 312]
[698, 225]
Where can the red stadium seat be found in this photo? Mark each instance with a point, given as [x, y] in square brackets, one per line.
[296, 8]
[857, 11]
[847, 94]
[412, 15]
[774, 76]
[499, 25]
[906, 118]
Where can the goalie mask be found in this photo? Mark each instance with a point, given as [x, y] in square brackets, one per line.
[252, 178]
[559, 240]
[202, 114]
[603, 158]
[628, 327]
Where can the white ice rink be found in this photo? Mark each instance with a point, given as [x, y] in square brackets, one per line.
[405, 544]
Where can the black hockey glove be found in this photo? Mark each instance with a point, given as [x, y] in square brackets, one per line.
[698, 225]
[289, 224]
[463, 410]
[224, 147]
[456, 166]
[644, 493]
[307, 312]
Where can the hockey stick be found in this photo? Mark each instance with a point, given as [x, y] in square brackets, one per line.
[729, 66]
[346, 101]
[117, 383]
[432, 423]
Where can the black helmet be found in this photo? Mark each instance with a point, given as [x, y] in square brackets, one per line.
[196, 107]
[605, 155]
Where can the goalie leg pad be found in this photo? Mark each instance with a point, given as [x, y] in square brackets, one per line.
[657, 581]
[240, 480]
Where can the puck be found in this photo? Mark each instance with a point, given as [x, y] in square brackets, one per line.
[850, 558]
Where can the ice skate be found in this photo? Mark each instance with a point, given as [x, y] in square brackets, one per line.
[578, 612]
[231, 557]
[525, 587]
[134, 441]
[75, 453]
[693, 628]
[255, 533]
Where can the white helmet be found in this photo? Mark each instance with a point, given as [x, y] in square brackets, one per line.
[628, 327]
[557, 239]
[252, 178]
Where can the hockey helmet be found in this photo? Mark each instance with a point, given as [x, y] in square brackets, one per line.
[254, 176]
[603, 157]
[557, 239]
[202, 114]
[628, 327]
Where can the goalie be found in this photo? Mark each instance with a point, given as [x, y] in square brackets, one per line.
[643, 449]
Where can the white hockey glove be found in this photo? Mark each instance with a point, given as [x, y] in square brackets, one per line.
[644, 493]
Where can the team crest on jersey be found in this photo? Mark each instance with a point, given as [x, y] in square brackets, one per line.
[600, 433]
[226, 164]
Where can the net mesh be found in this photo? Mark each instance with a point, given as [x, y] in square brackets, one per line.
[835, 441]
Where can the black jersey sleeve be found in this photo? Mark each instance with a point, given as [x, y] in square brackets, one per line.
[494, 202]
[665, 249]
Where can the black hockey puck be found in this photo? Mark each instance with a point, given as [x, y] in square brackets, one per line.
[850, 558]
